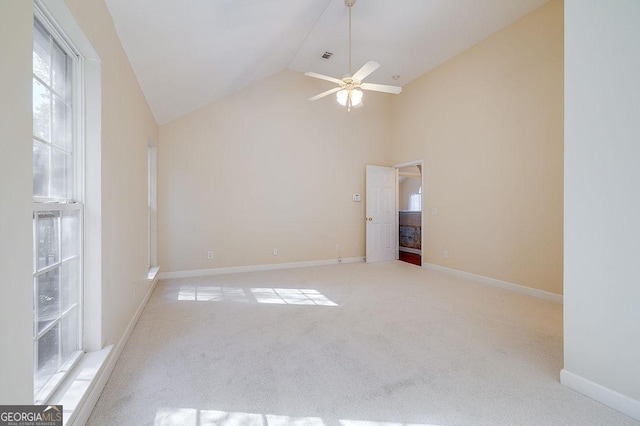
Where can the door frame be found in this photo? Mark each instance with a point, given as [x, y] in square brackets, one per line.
[397, 233]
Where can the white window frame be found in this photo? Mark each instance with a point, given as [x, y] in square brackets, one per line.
[46, 204]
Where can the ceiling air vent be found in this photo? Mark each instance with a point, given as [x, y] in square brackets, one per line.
[327, 55]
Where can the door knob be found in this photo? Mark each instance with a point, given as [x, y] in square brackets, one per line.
[369, 219]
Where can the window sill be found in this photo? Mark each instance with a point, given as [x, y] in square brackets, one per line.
[153, 273]
[74, 392]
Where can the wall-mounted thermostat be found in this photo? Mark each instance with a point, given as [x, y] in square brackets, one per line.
[357, 198]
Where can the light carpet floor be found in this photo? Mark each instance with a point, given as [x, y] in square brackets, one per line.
[349, 345]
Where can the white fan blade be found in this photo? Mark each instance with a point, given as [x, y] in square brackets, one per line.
[366, 69]
[381, 88]
[324, 77]
[323, 94]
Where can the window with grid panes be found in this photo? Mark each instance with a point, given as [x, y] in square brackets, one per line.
[57, 211]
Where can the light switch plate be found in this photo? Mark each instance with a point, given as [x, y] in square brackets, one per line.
[357, 198]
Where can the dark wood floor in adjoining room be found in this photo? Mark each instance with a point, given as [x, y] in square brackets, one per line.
[416, 259]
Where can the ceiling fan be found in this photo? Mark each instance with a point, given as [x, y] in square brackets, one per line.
[349, 90]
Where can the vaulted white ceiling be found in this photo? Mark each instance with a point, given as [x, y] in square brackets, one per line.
[187, 54]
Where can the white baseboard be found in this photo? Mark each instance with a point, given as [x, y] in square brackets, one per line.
[604, 395]
[86, 404]
[253, 268]
[498, 283]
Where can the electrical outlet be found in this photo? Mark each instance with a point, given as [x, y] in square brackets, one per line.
[338, 247]
[210, 254]
[445, 254]
[275, 251]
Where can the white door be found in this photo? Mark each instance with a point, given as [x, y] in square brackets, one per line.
[381, 207]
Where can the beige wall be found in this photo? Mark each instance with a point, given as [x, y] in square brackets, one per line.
[602, 208]
[265, 168]
[127, 123]
[489, 126]
[16, 303]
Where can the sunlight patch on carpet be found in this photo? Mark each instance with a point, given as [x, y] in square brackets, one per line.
[197, 417]
[291, 296]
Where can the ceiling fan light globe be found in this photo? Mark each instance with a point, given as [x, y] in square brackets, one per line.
[342, 96]
[356, 97]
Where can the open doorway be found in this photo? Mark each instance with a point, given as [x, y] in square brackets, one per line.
[409, 212]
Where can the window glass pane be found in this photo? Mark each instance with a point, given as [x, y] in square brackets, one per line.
[70, 233]
[41, 53]
[69, 284]
[47, 226]
[41, 111]
[48, 298]
[60, 68]
[61, 125]
[415, 202]
[61, 174]
[41, 154]
[69, 334]
[48, 356]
